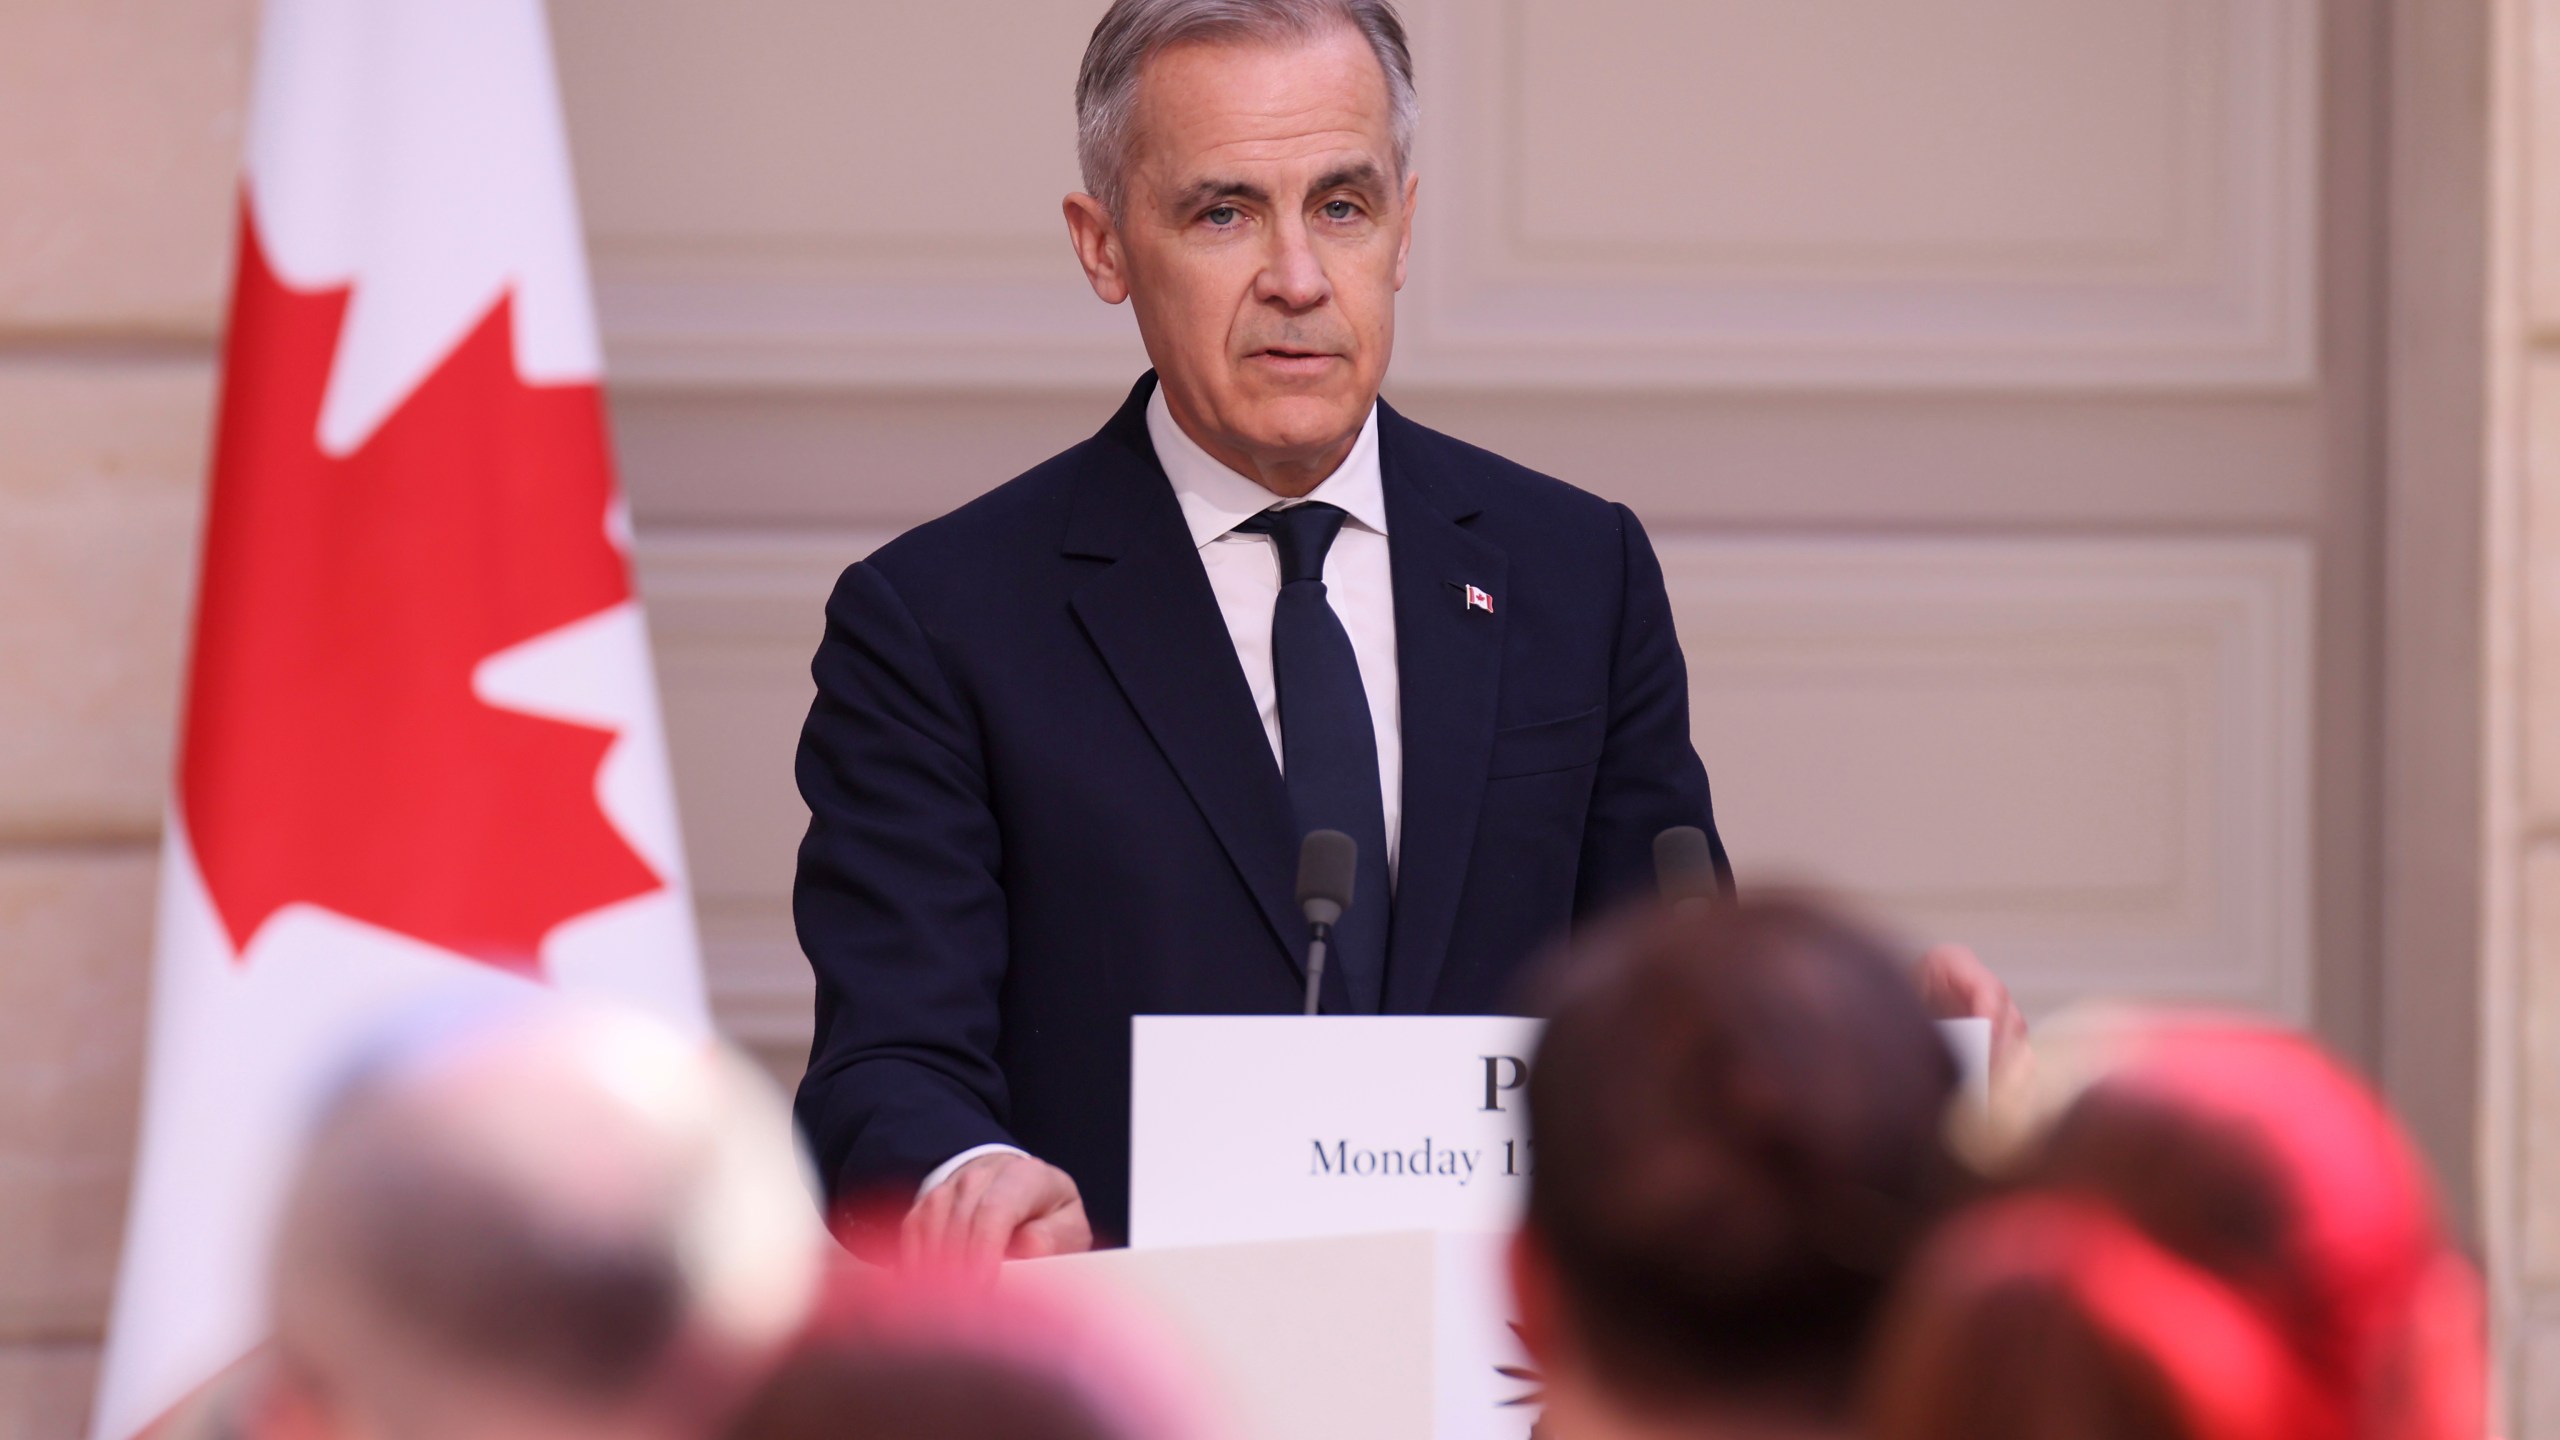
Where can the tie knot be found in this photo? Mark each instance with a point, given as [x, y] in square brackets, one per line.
[1302, 534]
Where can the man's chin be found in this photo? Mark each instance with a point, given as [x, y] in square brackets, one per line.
[1306, 441]
[1310, 419]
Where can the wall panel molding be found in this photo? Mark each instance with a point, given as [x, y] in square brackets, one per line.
[2090, 759]
[802, 192]
[1950, 194]
[734, 617]
[1991, 213]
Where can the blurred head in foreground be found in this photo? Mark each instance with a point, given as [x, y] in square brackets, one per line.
[1739, 1118]
[2042, 1318]
[917, 1355]
[560, 1222]
[2250, 1154]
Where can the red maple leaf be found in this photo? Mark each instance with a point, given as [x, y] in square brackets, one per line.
[334, 751]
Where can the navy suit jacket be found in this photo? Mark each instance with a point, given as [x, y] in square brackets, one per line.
[1041, 799]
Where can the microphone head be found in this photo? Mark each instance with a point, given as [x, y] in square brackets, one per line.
[1328, 863]
[1684, 864]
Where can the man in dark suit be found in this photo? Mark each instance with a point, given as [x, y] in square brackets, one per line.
[1068, 737]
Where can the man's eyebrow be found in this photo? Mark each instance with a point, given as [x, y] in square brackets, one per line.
[1363, 176]
[1202, 192]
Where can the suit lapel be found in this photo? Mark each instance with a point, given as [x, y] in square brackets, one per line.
[1156, 622]
[1449, 668]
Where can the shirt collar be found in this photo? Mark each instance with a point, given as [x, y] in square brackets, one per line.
[1216, 499]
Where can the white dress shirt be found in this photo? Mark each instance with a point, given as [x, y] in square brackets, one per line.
[1244, 571]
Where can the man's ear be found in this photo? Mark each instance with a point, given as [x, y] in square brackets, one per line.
[1404, 242]
[1097, 243]
[1533, 1298]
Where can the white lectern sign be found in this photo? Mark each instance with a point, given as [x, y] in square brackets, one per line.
[1281, 1127]
[1275, 1127]
[1278, 1127]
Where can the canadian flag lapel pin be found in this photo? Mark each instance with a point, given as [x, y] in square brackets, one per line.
[1478, 599]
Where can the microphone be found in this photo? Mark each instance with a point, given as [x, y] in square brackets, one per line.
[1684, 865]
[1328, 863]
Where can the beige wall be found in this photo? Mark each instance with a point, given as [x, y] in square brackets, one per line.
[119, 132]
[2000, 379]
[2520, 996]
[1996, 377]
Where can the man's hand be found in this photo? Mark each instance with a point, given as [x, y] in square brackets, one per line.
[996, 1207]
[1956, 985]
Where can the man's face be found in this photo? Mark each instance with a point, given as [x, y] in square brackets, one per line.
[1262, 239]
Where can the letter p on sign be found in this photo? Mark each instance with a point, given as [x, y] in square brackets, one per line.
[1502, 1074]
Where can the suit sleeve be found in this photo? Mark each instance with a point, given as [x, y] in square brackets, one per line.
[1650, 776]
[898, 904]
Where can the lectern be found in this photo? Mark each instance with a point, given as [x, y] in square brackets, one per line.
[1318, 1208]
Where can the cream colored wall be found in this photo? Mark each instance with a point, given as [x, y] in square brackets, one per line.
[2520, 995]
[1998, 379]
[119, 133]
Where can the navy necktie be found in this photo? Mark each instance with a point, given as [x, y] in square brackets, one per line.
[1329, 750]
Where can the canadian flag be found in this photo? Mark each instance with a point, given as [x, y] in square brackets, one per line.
[421, 754]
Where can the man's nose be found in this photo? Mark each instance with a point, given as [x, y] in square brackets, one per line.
[1293, 274]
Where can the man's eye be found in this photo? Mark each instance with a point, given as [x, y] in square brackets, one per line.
[1340, 210]
[1223, 215]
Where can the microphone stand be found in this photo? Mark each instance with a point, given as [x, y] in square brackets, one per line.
[1319, 937]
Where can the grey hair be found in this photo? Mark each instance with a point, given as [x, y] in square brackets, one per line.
[1133, 32]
